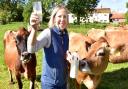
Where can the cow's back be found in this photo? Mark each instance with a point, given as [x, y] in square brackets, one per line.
[116, 38]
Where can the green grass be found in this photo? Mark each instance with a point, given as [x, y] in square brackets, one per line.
[115, 76]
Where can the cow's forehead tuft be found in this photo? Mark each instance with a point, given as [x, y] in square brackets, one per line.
[22, 31]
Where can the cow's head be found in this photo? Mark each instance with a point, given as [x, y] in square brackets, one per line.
[98, 56]
[80, 43]
[21, 44]
[96, 59]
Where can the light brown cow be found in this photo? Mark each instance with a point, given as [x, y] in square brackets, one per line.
[118, 43]
[16, 57]
[96, 55]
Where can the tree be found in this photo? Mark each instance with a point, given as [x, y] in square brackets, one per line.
[14, 8]
[3, 16]
[82, 8]
[47, 6]
[126, 14]
[127, 5]
[27, 11]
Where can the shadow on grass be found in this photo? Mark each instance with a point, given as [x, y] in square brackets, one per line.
[110, 80]
[38, 78]
[115, 80]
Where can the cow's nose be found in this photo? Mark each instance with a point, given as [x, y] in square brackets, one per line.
[25, 57]
[24, 53]
[84, 67]
[83, 63]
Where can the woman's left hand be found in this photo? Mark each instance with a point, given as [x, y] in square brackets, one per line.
[34, 20]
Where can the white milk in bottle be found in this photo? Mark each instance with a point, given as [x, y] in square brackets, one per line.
[74, 65]
[37, 8]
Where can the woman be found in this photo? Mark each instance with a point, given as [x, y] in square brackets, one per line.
[54, 40]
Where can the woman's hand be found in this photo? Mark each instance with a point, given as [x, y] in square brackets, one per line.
[34, 21]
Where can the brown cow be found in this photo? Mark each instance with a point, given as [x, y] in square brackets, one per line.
[16, 57]
[118, 43]
[96, 55]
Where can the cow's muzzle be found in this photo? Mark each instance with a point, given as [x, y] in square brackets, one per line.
[25, 57]
[84, 67]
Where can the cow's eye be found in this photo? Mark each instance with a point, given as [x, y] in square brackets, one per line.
[100, 52]
[18, 39]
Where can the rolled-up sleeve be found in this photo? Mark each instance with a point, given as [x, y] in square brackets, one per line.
[43, 40]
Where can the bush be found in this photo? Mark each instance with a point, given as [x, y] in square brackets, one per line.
[27, 11]
[3, 17]
[126, 17]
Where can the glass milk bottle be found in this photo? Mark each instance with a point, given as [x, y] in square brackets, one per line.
[37, 8]
[74, 65]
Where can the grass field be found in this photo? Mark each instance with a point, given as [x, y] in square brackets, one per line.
[115, 76]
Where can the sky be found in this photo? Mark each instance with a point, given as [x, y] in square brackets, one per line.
[115, 5]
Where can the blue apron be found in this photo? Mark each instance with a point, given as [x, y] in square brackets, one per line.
[55, 70]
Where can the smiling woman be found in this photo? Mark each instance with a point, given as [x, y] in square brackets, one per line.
[54, 40]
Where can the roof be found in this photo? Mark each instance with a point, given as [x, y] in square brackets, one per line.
[103, 10]
[118, 16]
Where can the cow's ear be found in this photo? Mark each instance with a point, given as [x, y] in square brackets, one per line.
[87, 45]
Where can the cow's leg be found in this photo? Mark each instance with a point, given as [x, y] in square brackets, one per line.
[92, 81]
[10, 73]
[89, 84]
[78, 86]
[18, 78]
[32, 83]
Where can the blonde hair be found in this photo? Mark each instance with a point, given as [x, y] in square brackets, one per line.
[53, 14]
